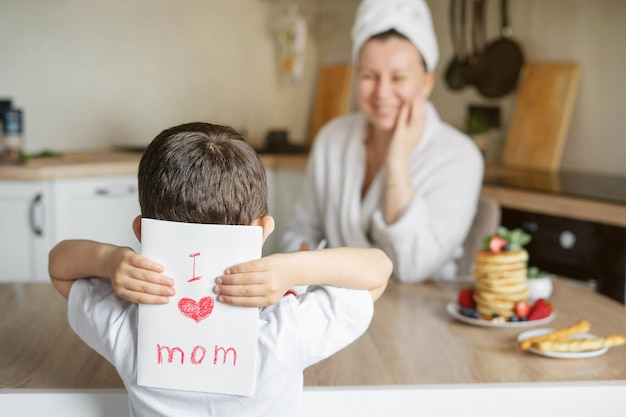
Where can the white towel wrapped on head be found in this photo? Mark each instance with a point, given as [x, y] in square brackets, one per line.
[411, 18]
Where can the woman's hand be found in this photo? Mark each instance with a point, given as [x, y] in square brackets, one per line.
[257, 283]
[406, 136]
[408, 131]
[138, 279]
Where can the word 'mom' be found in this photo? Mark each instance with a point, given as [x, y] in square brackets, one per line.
[197, 356]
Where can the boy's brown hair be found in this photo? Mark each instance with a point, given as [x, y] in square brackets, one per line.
[202, 173]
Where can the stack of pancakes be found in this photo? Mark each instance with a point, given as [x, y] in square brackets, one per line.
[500, 281]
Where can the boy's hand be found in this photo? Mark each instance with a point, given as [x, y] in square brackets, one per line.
[138, 279]
[257, 283]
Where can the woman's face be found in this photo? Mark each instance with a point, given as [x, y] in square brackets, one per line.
[390, 73]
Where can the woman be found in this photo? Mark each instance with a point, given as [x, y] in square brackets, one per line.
[393, 175]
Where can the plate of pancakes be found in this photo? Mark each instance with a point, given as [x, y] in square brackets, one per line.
[453, 309]
[500, 282]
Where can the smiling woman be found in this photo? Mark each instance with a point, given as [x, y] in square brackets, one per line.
[393, 175]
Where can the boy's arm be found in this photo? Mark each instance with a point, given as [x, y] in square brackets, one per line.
[263, 281]
[134, 277]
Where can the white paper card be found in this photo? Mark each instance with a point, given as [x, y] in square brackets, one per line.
[194, 342]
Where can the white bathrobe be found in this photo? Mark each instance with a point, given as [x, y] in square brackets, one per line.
[425, 242]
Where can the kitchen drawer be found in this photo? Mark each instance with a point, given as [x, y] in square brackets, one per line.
[590, 252]
[98, 208]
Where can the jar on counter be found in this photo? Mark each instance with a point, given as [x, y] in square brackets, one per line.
[12, 135]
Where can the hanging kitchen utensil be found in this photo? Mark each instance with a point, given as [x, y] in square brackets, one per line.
[456, 72]
[502, 61]
[475, 62]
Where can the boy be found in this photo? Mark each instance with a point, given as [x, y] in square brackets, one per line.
[202, 173]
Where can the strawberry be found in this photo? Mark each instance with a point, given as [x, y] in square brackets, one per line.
[466, 298]
[521, 309]
[541, 309]
[496, 244]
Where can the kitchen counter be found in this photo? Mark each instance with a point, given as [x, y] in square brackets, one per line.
[588, 197]
[72, 165]
[412, 340]
[112, 163]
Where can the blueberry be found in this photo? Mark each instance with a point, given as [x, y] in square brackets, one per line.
[506, 247]
[469, 312]
[495, 315]
[515, 318]
[465, 311]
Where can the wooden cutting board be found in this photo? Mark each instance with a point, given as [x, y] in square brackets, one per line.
[332, 96]
[541, 119]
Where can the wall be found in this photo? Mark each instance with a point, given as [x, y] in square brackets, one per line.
[90, 74]
[590, 32]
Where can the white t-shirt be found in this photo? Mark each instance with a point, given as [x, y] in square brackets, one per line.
[293, 334]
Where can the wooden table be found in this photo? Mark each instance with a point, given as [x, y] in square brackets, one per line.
[412, 340]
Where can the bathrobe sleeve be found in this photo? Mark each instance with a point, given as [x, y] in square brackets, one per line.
[427, 239]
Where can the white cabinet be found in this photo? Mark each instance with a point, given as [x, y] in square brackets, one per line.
[98, 208]
[284, 187]
[272, 242]
[26, 234]
[36, 215]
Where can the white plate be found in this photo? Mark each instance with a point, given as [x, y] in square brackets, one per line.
[453, 310]
[561, 355]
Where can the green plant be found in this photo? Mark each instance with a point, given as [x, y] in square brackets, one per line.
[534, 272]
[516, 238]
[476, 124]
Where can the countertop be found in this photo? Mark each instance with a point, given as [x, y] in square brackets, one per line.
[412, 340]
[589, 197]
[580, 196]
[110, 163]
[70, 165]
[606, 188]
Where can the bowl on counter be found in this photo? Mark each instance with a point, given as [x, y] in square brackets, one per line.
[540, 287]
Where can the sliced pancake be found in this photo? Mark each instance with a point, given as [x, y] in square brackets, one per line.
[498, 303]
[485, 311]
[501, 280]
[507, 292]
[514, 275]
[517, 267]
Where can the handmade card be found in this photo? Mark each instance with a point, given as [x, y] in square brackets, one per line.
[196, 343]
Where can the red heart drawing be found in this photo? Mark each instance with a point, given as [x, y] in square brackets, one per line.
[196, 310]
